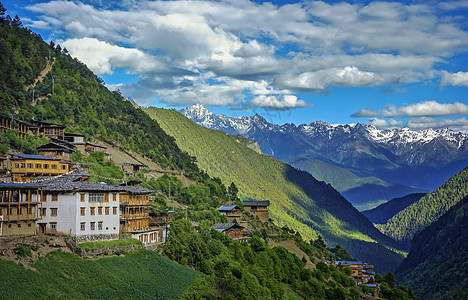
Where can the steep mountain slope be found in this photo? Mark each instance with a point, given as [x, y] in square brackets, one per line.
[72, 95]
[437, 265]
[362, 192]
[382, 213]
[428, 209]
[423, 159]
[298, 200]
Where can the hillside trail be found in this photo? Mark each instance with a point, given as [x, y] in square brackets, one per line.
[41, 76]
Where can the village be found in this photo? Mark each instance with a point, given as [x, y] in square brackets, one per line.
[48, 194]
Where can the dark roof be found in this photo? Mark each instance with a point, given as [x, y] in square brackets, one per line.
[134, 189]
[347, 262]
[72, 183]
[256, 203]
[97, 145]
[221, 227]
[54, 146]
[42, 123]
[64, 142]
[73, 134]
[33, 156]
[228, 207]
[18, 185]
[133, 164]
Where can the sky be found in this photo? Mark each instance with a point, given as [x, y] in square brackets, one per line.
[388, 64]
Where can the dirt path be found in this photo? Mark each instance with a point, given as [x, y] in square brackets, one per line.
[41, 76]
[293, 248]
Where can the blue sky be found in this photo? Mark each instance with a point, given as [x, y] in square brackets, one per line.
[390, 64]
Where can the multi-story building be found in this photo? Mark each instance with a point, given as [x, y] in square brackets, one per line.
[135, 214]
[56, 150]
[9, 123]
[232, 212]
[19, 204]
[87, 211]
[26, 167]
[259, 208]
[355, 266]
[49, 130]
[86, 148]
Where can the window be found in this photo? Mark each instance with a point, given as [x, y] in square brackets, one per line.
[99, 210]
[30, 211]
[114, 197]
[54, 197]
[29, 224]
[44, 212]
[106, 197]
[99, 225]
[96, 197]
[64, 167]
[107, 210]
[93, 211]
[12, 211]
[83, 211]
[53, 212]
[19, 225]
[114, 210]
[1, 212]
[23, 165]
[54, 167]
[93, 225]
[82, 199]
[82, 226]
[46, 166]
[30, 166]
[17, 165]
[38, 166]
[53, 225]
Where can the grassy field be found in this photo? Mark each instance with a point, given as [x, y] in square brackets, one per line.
[140, 274]
[114, 243]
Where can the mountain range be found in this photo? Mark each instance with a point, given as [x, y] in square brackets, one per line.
[408, 161]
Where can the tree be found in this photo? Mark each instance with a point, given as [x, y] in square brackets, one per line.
[232, 191]
[389, 278]
[16, 22]
[2, 10]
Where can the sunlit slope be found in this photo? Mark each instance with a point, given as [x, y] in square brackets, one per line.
[298, 200]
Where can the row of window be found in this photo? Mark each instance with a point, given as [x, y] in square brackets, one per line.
[38, 166]
[14, 211]
[92, 210]
[92, 226]
[101, 197]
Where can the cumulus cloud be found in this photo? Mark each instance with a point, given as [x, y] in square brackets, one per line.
[459, 78]
[460, 124]
[183, 47]
[276, 102]
[425, 108]
[385, 124]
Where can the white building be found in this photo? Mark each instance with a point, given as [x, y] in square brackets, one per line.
[87, 211]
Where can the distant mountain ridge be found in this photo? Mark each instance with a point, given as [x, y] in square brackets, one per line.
[385, 211]
[423, 159]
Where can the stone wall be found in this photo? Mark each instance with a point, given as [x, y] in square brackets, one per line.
[99, 251]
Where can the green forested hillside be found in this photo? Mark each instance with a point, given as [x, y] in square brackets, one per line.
[428, 209]
[437, 265]
[382, 213]
[139, 275]
[363, 192]
[298, 200]
[70, 94]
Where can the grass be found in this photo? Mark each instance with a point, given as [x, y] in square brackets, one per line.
[114, 243]
[140, 274]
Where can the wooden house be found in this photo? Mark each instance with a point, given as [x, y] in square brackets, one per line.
[233, 230]
[135, 214]
[259, 208]
[29, 166]
[355, 266]
[9, 123]
[232, 212]
[74, 137]
[86, 148]
[19, 205]
[52, 149]
[49, 130]
[132, 168]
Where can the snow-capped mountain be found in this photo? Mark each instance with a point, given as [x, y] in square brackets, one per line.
[423, 159]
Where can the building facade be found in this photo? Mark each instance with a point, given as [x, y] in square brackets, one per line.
[258, 208]
[232, 212]
[26, 167]
[19, 205]
[87, 211]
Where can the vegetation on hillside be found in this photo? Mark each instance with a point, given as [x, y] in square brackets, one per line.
[437, 265]
[298, 200]
[382, 213]
[73, 96]
[428, 209]
[362, 192]
[141, 274]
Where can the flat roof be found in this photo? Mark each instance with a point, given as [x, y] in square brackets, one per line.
[33, 156]
[19, 185]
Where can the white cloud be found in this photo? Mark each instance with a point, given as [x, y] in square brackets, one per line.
[101, 57]
[459, 78]
[460, 124]
[385, 124]
[276, 102]
[231, 43]
[425, 108]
